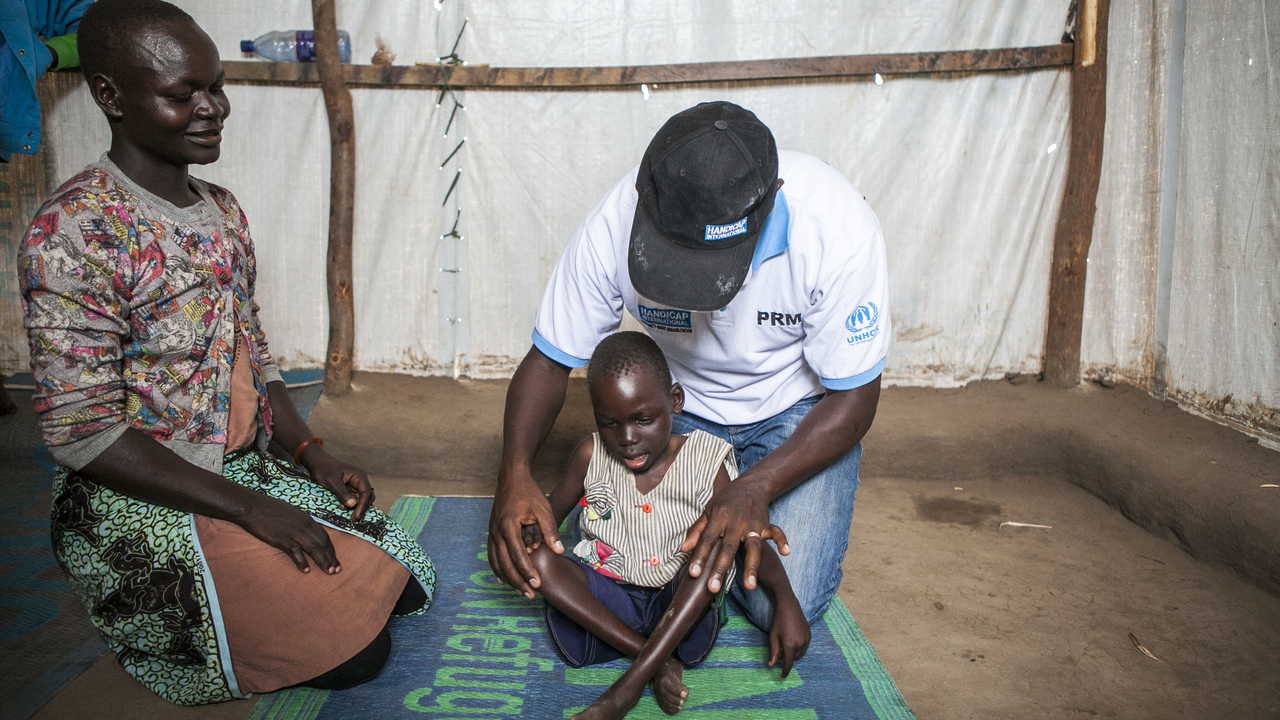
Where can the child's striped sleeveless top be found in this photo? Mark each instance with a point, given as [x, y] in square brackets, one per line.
[636, 538]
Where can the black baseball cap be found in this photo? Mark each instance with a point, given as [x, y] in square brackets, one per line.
[707, 183]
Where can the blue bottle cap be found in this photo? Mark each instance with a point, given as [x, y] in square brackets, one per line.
[246, 46]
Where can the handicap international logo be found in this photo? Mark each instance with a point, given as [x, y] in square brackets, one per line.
[864, 323]
[721, 232]
[679, 321]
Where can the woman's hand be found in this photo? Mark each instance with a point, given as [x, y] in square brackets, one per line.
[347, 482]
[291, 531]
[135, 464]
[790, 635]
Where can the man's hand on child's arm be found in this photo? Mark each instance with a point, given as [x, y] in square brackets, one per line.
[507, 555]
[565, 495]
[832, 428]
[533, 400]
[561, 500]
[753, 542]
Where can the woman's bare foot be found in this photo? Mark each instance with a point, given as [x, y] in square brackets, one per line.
[612, 705]
[668, 688]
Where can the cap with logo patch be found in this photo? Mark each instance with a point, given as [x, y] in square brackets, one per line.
[706, 184]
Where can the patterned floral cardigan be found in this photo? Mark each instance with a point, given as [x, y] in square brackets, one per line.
[132, 308]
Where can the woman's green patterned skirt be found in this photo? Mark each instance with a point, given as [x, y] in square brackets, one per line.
[140, 572]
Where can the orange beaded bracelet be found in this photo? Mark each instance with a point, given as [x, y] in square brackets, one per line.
[297, 455]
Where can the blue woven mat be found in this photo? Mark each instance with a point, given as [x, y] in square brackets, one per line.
[482, 652]
[46, 639]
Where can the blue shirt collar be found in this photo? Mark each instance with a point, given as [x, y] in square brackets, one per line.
[774, 236]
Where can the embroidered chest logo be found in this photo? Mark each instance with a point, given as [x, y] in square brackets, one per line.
[679, 321]
[864, 323]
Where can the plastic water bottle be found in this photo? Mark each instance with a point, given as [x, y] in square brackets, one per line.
[293, 46]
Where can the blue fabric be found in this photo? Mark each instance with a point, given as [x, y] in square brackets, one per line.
[555, 353]
[775, 236]
[640, 608]
[856, 381]
[23, 59]
[815, 515]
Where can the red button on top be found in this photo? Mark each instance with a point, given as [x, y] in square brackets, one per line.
[647, 508]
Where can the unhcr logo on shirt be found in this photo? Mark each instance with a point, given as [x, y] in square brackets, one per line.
[864, 323]
[680, 321]
[721, 232]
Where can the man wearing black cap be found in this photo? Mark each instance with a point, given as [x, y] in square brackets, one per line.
[772, 310]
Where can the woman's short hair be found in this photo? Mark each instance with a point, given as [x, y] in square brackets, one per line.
[109, 27]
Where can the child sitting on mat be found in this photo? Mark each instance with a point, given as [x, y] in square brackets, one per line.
[626, 591]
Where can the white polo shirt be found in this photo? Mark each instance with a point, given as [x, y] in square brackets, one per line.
[812, 314]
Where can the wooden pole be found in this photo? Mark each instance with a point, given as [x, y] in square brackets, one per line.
[342, 188]
[1074, 231]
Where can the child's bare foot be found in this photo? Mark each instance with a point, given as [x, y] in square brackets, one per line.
[612, 705]
[668, 688]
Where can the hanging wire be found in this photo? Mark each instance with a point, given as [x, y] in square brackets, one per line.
[452, 185]
[450, 157]
[452, 58]
[447, 88]
[453, 232]
[449, 62]
[452, 115]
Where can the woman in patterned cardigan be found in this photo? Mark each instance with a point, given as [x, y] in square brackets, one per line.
[212, 568]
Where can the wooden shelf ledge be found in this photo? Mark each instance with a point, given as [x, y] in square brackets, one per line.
[484, 77]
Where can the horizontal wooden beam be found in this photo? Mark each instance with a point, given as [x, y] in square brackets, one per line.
[484, 77]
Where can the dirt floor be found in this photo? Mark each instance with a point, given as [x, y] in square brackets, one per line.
[973, 620]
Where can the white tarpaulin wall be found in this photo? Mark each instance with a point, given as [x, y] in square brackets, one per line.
[1218, 237]
[964, 171]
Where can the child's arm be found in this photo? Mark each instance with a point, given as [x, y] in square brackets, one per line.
[566, 493]
[790, 634]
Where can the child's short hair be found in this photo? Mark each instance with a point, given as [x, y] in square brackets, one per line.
[109, 26]
[627, 352]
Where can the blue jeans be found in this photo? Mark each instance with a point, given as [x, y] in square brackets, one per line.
[815, 515]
